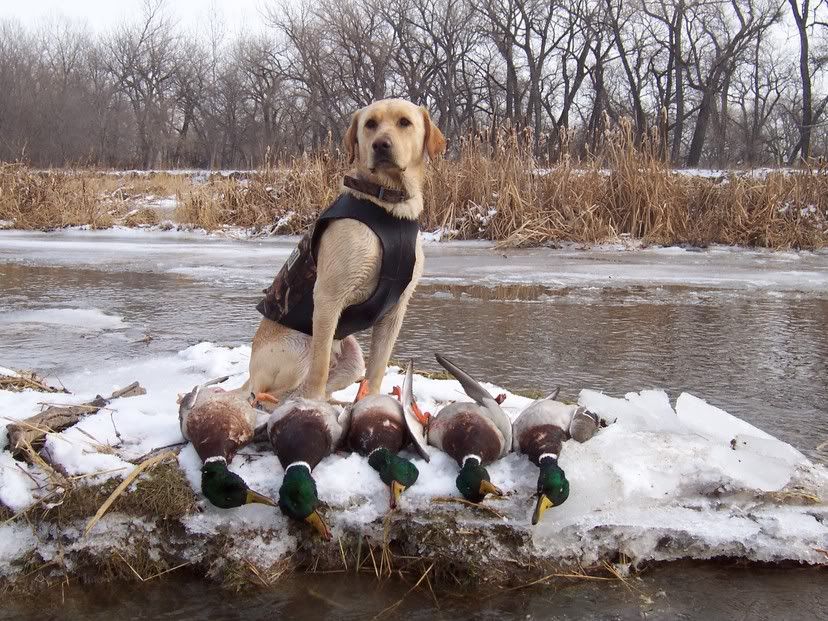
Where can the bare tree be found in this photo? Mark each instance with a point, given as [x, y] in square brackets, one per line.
[144, 58]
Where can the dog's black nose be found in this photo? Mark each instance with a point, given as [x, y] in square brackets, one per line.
[382, 146]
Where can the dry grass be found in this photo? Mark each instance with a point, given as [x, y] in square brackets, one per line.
[26, 380]
[494, 189]
[498, 193]
[280, 200]
[40, 200]
[161, 493]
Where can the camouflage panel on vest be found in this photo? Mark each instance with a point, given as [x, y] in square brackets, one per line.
[294, 280]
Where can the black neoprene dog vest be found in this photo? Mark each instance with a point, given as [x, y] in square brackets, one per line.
[289, 300]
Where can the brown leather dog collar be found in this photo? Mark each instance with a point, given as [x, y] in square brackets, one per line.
[387, 195]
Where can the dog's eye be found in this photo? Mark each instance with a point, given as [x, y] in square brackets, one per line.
[370, 124]
[404, 122]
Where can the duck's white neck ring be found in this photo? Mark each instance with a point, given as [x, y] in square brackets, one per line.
[210, 460]
[545, 455]
[472, 456]
[299, 463]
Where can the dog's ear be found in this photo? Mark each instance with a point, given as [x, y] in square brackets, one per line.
[435, 142]
[350, 140]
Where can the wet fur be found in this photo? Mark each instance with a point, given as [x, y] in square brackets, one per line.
[348, 262]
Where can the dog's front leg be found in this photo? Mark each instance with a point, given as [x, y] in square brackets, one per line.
[383, 337]
[385, 332]
[325, 319]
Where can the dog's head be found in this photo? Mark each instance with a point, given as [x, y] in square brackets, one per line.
[392, 135]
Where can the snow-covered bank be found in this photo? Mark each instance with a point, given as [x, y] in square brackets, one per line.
[662, 481]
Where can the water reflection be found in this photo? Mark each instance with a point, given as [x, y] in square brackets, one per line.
[676, 591]
[762, 357]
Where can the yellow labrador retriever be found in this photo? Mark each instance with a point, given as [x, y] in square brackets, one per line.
[356, 269]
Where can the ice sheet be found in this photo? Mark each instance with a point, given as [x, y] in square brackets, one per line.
[656, 483]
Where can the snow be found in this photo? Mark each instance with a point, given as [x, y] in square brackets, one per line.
[16, 540]
[91, 319]
[662, 481]
[230, 258]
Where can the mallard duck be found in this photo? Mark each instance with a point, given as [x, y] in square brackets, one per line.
[303, 432]
[474, 434]
[218, 423]
[378, 429]
[539, 432]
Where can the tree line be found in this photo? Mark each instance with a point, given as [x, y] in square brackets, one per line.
[714, 82]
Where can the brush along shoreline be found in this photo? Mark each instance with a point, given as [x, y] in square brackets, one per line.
[664, 480]
[497, 193]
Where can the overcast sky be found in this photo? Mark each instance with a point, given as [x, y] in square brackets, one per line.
[102, 14]
[237, 15]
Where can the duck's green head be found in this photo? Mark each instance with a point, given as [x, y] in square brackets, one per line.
[473, 480]
[396, 472]
[553, 488]
[298, 499]
[226, 489]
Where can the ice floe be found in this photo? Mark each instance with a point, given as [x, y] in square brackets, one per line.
[84, 318]
[663, 480]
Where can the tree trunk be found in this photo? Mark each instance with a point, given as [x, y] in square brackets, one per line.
[700, 132]
[678, 129]
[801, 20]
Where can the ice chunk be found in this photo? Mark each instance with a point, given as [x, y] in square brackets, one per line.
[648, 410]
[711, 422]
[84, 318]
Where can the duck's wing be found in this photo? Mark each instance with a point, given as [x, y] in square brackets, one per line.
[185, 405]
[491, 407]
[470, 385]
[553, 395]
[218, 380]
[416, 430]
[542, 413]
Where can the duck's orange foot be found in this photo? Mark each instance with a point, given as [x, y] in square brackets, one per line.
[363, 390]
[422, 417]
[396, 391]
[266, 397]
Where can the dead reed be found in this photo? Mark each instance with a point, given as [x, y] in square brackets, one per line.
[493, 189]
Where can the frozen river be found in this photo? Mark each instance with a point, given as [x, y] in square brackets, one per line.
[744, 329]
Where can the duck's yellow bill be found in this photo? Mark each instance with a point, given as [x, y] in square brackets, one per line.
[259, 498]
[486, 487]
[315, 520]
[396, 490]
[543, 504]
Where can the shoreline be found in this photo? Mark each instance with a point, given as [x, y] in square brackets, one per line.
[507, 200]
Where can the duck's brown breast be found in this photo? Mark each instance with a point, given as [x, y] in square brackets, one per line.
[375, 428]
[217, 429]
[300, 435]
[460, 430]
[539, 439]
